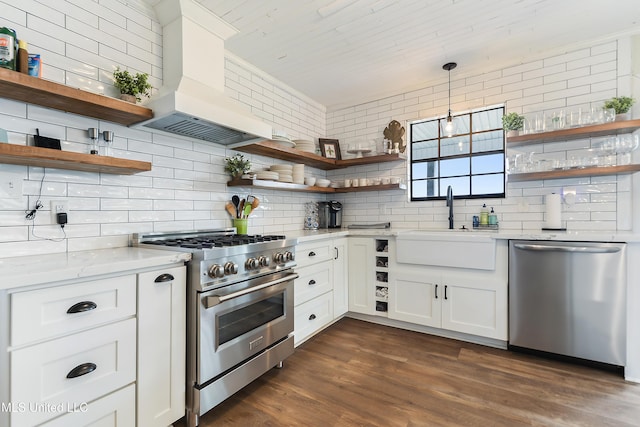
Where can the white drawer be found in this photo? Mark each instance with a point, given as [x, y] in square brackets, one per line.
[117, 409]
[312, 316]
[314, 280]
[43, 313]
[314, 252]
[39, 373]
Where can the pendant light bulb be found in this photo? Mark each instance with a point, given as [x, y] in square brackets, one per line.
[449, 129]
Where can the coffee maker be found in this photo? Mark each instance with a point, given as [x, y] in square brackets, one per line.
[330, 214]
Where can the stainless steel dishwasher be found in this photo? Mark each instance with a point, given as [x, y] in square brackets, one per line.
[568, 298]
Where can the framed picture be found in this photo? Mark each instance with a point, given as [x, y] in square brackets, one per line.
[330, 148]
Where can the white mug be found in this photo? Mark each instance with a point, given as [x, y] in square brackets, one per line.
[385, 180]
[363, 182]
[395, 180]
[347, 183]
[354, 182]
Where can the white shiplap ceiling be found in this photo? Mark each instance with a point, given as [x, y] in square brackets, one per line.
[345, 52]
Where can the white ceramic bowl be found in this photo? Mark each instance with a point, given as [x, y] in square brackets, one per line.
[310, 180]
[320, 182]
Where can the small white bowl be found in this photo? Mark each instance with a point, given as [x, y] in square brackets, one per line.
[310, 180]
[323, 182]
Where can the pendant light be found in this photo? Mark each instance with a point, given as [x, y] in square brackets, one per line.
[449, 128]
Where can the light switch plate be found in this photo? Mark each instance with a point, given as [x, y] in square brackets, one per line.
[11, 179]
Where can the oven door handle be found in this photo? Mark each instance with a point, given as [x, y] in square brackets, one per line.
[212, 301]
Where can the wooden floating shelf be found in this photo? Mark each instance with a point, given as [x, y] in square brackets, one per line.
[275, 185]
[604, 129]
[276, 150]
[574, 173]
[50, 158]
[34, 90]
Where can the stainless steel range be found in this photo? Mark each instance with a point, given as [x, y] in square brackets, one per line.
[239, 309]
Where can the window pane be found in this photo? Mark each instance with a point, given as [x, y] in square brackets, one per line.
[421, 189]
[488, 184]
[454, 146]
[487, 163]
[488, 141]
[424, 130]
[487, 120]
[454, 167]
[460, 186]
[424, 170]
[424, 150]
[460, 125]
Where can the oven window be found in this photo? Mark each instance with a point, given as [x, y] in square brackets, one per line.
[245, 319]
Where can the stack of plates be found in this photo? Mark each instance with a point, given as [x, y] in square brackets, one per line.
[267, 175]
[302, 145]
[282, 139]
[285, 172]
[298, 173]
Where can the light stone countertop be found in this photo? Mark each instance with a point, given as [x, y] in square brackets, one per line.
[48, 268]
[574, 236]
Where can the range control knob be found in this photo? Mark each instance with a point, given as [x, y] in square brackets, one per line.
[279, 258]
[264, 261]
[216, 271]
[230, 268]
[288, 256]
[252, 264]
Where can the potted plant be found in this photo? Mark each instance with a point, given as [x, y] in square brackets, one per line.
[512, 123]
[621, 105]
[131, 86]
[237, 165]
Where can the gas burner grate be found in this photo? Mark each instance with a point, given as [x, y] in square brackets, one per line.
[208, 242]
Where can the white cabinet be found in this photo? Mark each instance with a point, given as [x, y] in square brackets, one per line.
[313, 293]
[104, 350]
[71, 345]
[161, 346]
[471, 301]
[369, 275]
[340, 278]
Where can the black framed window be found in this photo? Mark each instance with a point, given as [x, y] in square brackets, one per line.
[471, 161]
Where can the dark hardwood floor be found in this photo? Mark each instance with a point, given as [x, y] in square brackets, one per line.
[360, 374]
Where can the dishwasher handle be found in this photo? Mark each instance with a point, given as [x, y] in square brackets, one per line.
[579, 249]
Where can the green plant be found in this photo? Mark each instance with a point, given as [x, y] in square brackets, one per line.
[130, 84]
[512, 121]
[621, 104]
[237, 165]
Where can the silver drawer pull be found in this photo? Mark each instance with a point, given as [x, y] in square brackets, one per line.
[82, 306]
[80, 370]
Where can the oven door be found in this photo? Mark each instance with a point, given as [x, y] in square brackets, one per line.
[241, 320]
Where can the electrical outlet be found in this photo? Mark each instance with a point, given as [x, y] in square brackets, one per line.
[59, 206]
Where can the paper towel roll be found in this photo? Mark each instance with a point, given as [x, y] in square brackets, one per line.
[553, 211]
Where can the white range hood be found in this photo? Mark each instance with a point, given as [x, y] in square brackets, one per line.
[191, 101]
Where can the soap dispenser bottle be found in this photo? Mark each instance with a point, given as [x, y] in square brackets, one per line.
[484, 215]
[493, 218]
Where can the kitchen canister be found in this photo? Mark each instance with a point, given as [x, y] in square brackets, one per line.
[311, 217]
[553, 211]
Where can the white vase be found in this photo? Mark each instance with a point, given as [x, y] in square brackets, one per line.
[623, 116]
[511, 133]
[129, 98]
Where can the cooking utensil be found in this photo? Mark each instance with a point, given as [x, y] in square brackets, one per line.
[231, 209]
[255, 203]
[241, 208]
[236, 202]
[246, 211]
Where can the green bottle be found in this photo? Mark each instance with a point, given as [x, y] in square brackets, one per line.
[7, 48]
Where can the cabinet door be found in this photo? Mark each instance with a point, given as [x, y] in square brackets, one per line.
[475, 307]
[117, 409]
[362, 275]
[161, 346]
[415, 297]
[311, 316]
[340, 278]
